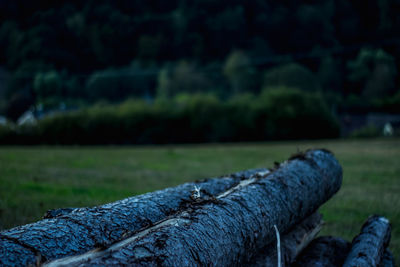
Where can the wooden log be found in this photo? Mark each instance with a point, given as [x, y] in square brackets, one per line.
[292, 243]
[326, 251]
[73, 231]
[230, 229]
[388, 259]
[368, 247]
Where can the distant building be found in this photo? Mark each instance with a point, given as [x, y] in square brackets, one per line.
[388, 130]
[380, 119]
[3, 120]
[351, 122]
[28, 118]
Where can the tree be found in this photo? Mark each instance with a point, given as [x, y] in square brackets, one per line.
[149, 47]
[239, 72]
[313, 27]
[373, 72]
[11, 43]
[226, 29]
[329, 74]
[291, 75]
[184, 77]
[18, 103]
[47, 84]
[115, 84]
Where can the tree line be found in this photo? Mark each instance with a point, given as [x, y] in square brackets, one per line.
[81, 52]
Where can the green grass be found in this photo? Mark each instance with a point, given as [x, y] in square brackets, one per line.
[35, 179]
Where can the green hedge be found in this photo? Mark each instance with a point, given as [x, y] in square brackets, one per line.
[277, 113]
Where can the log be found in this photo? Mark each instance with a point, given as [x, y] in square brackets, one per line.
[325, 251]
[388, 259]
[292, 243]
[73, 231]
[230, 229]
[368, 247]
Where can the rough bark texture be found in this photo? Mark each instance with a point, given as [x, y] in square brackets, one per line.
[388, 259]
[229, 230]
[292, 243]
[368, 247]
[71, 231]
[324, 251]
[12, 251]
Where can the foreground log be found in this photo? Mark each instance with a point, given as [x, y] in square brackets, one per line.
[324, 251]
[68, 232]
[230, 229]
[388, 259]
[291, 243]
[368, 247]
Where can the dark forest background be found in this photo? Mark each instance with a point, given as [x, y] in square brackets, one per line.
[222, 68]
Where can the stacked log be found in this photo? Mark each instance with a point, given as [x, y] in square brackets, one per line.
[66, 232]
[233, 227]
[325, 251]
[253, 218]
[291, 243]
[368, 248]
[387, 260]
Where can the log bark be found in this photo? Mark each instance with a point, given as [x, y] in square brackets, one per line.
[229, 230]
[369, 246]
[292, 243]
[387, 260]
[324, 251]
[73, 231]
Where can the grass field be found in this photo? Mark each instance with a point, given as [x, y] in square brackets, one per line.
[35, 179]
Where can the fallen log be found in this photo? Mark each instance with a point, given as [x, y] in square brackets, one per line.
[324, 251]
[388, 259]
[291, 243]
[230, 229]
[368, 247]
[73, 231]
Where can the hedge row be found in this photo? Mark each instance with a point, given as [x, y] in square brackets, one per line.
[279, 113]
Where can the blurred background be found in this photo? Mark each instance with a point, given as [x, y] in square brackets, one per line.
[259, 72]
[154, 72]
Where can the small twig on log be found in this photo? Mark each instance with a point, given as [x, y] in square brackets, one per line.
[368, 247]
[292, 243]
[196, 193]
[278, 246]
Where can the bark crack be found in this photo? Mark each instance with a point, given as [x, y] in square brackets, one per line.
[36, 252]
[93, 238]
